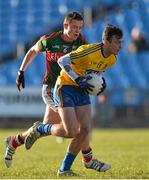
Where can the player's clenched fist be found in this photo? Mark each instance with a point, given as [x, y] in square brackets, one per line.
[82, 82]
[20, 80]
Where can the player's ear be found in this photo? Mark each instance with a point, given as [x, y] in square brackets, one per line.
[106, 42]
[65, 25]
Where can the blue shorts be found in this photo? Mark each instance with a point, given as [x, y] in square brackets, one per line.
[70, 96]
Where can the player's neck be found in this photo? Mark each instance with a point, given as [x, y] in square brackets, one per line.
[66, 38]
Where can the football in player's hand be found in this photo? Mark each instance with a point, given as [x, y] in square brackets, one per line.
[98, 82]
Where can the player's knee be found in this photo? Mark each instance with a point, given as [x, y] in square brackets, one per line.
[85, 131]
[71, 133]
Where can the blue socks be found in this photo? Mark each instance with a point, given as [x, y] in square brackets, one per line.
[67, 162]
[44, 129]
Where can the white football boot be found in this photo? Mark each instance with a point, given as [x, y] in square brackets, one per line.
[97, 165]
[10, 151]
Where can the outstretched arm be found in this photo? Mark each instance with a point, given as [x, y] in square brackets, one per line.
[31, 54]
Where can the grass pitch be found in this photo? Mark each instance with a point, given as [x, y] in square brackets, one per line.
[126, 149]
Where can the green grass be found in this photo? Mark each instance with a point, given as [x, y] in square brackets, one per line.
[126, 150]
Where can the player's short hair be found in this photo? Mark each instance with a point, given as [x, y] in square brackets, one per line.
[112, 30]
[73, 16]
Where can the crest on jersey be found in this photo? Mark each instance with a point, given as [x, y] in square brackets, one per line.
[65, 50]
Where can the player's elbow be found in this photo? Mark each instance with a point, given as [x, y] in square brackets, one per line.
[64, 60]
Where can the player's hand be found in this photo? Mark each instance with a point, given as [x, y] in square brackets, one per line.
[20, 81]
[83, 83]
[103, 86]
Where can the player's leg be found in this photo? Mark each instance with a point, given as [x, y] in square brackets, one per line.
[52, 117]
[70, 125]
[80, 102]
[88, 160]
[65, 168]
[83, 114]
[13, 142]
[82, 141]
[61, 129]
[75, 146]
[68, 128]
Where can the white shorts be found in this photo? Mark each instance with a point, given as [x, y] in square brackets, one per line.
[47, 96]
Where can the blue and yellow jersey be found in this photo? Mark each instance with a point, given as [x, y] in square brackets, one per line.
[87, 58]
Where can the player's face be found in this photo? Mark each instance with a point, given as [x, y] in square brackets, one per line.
[115, 45]
[72, 30]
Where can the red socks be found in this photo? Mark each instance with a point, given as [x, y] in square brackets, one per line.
[87, 155]
[17, 141]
